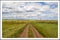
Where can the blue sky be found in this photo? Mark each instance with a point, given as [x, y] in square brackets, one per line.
[30, 10]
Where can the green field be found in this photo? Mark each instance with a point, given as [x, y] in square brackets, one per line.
[13, 28]
[47, 29]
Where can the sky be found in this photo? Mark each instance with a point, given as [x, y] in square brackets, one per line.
[30, 10]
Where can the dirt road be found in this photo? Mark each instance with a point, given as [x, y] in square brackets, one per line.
[36, 34]
[24, 34]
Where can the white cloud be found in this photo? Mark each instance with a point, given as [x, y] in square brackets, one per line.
[20, 10]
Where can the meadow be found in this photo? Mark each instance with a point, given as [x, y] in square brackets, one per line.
[49, 29]
[13, 28]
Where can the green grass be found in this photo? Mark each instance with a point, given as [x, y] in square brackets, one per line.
[13, 28]
[48, 30]
[30, 33]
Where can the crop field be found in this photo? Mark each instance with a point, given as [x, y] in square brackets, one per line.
[29, 28]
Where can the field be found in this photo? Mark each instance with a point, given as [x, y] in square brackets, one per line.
[29, 28]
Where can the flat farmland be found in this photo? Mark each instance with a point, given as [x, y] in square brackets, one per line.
[29, 28]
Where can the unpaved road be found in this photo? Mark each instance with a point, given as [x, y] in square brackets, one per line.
[24, 34]
[36, 34]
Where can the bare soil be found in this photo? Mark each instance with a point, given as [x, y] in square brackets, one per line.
[24, 34]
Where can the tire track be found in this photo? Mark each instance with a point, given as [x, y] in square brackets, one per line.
[24, 34]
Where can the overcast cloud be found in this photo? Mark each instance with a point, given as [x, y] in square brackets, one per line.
[30, 10]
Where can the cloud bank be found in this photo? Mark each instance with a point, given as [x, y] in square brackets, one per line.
[30, 10]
